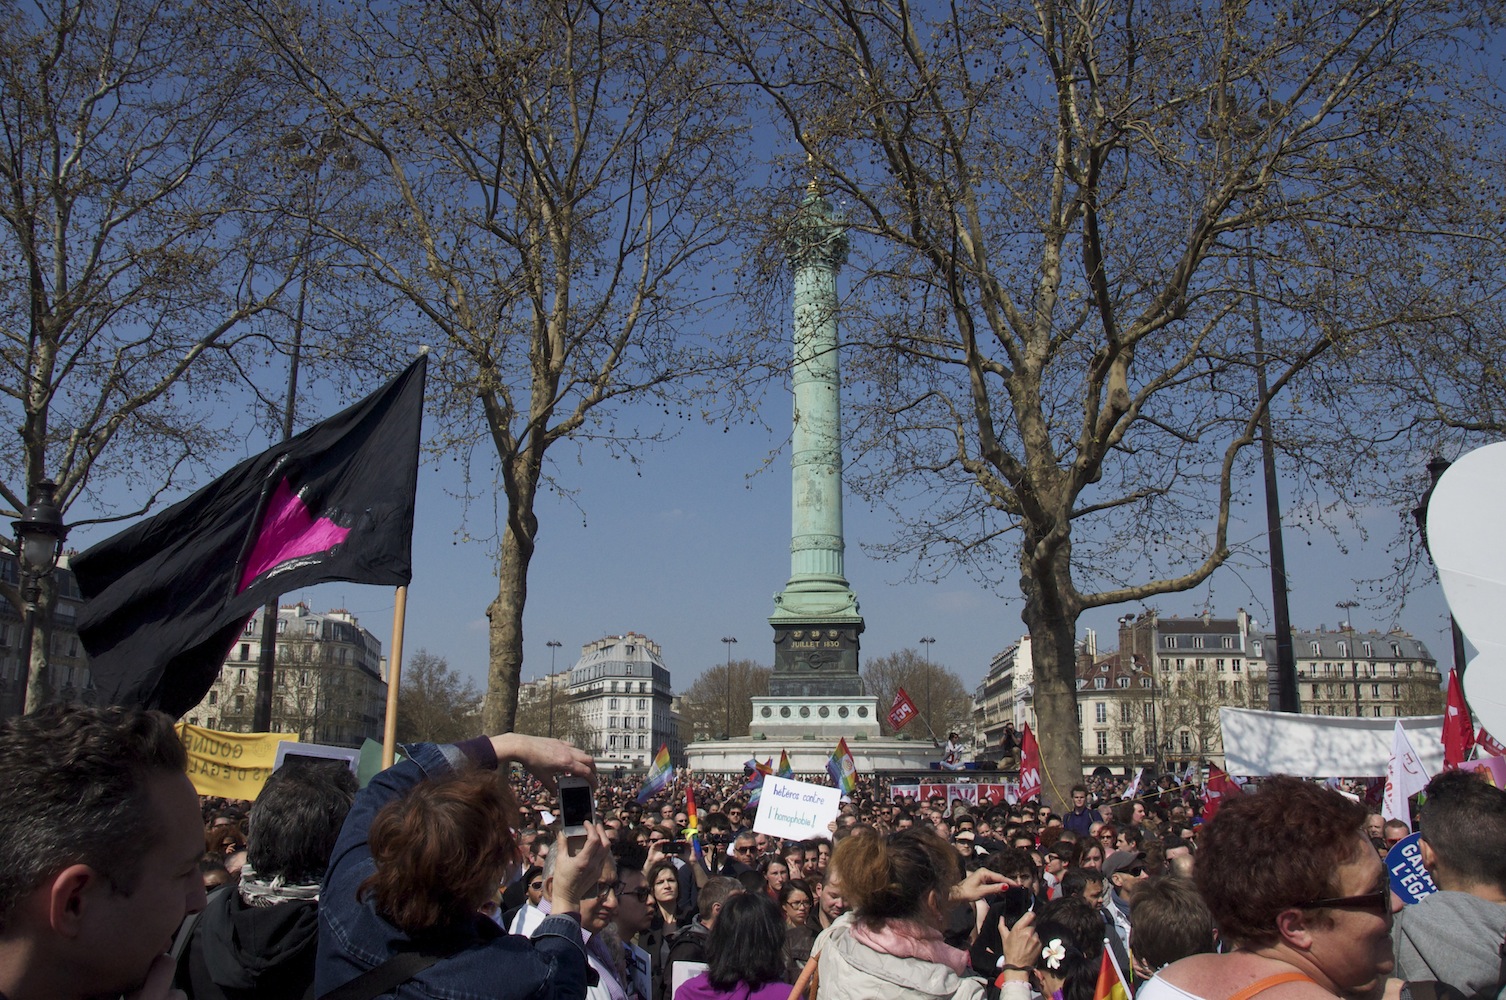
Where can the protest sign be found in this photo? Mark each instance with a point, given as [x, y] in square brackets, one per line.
[230, 765]
[796, 810]
[1409, 879]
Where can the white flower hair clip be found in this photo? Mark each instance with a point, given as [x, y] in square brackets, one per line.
[1053, 953]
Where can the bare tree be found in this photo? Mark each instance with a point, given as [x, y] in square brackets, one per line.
[434, 703]
[944, 704]
[719, 703]
[556, 186]
[1065, 218]
[126, 269]
[542, 713]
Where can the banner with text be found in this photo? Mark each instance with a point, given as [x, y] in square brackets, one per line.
[230, 765]
[983, 793]
[796, 810]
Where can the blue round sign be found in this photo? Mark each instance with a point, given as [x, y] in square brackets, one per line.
[1409, 879]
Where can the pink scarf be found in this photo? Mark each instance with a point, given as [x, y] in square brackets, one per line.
[910, 939]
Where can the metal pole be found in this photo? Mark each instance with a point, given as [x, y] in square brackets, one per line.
[729, 641]
[553, 645]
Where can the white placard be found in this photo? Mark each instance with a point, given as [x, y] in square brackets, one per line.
[796, 810]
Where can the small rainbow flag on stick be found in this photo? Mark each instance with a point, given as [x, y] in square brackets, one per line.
[785, 770]
[659, 775]
[842, 768]
[693, 825]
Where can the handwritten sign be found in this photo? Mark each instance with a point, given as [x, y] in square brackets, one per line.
[1409, 879]
[796, 810]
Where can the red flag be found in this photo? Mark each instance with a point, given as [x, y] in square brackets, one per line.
[1458, 731]
[1030, 765]
[1218, 787]
[903, 710]
[1489, 744]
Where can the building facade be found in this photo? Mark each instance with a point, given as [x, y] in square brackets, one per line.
[328, 686]
[1006, 695]
[1195, 667]
[1115, 711]
[1362, 674]
[67, 676]
[621, 690]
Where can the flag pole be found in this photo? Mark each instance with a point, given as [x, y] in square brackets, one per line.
[394, 677]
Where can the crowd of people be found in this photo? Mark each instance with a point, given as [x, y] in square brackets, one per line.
[447, 876]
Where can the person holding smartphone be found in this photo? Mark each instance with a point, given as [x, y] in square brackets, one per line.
[396, 915]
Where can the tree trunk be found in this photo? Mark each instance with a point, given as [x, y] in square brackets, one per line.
[505, 634]
[38, 683]
[1052, 624]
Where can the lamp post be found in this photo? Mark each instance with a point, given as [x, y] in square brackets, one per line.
[40, 532]
[928, 641]
[553, 645]
[1348, 607]
[729, 641]
[1437, 466]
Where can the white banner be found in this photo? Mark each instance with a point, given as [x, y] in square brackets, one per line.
[1322, 746]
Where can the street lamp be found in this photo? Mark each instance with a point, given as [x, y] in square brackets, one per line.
[729, 641]
[1349, 606]
[928, 641]
[40, 532]
[553, 645]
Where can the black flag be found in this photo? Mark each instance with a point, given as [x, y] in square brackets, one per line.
[166, 599]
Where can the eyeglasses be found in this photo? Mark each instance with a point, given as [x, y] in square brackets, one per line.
[641, 894]
[536, 885]
[798, 903]
[1378, 901]
[605, 889]
[745, 849]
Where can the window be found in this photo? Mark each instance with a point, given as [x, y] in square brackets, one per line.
[1123, 682]
[642, 704]
[1343, 690]
[1396, 690]
[613, 687]
[1377, 711]
[1235, 664]
[240, 703]
[642, 742]
[1228, 642]
[1201, 664]
[282, 625]
[1220, 665]
[193, 720]
[1146, 710]
[214, 697]
[1366, 646]
[1395, 649]
[1343, 648]
[1181, 664]
[612, 703]
[1222, 693]
[1171, 642]
[1239, 689]
[1099, 683]
[1103, 743]
[250, 627]
[611, 722]
[1315, 692]
[242, 678]
[303, 678]
[1375, 690]
[245, 651]
[1255, 648]
[1165, 664]
[1315, 649]
[1186, 739]
[311, 628]
[1100, 712]
[1126, 712]
[1197, 642]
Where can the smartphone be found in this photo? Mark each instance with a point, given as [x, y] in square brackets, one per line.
[1017, 902]
[577, 808]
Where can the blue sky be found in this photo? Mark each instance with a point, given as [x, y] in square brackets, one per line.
[689, 543]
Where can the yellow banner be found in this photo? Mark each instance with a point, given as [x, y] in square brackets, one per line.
[230, 765]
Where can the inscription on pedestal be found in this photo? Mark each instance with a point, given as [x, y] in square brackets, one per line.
[815, 660]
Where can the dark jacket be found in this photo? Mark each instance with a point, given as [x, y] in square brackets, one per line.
[688, 945]
[240, 952]
[481, 960]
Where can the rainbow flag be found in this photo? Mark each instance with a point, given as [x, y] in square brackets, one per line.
[1110, 985]
[754, 785]
[693, 824]
[785, 770]
[659, 775]
[842, 768]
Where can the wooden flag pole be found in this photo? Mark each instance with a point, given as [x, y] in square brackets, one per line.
[394, 677]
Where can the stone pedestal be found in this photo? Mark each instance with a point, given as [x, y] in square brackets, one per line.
[824, 717]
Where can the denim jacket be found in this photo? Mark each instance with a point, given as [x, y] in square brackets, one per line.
[489, 963]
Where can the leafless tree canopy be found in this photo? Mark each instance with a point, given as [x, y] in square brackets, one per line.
[1066, 216]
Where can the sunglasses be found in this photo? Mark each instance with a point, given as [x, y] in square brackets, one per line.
[536, 885]
[1378, 901]
[750, 849]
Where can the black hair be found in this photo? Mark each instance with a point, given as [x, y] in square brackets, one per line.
[1077, 929]
[296, 820]
[746, 944]
[1463, 819]
[74, 790]
[1075, 881]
